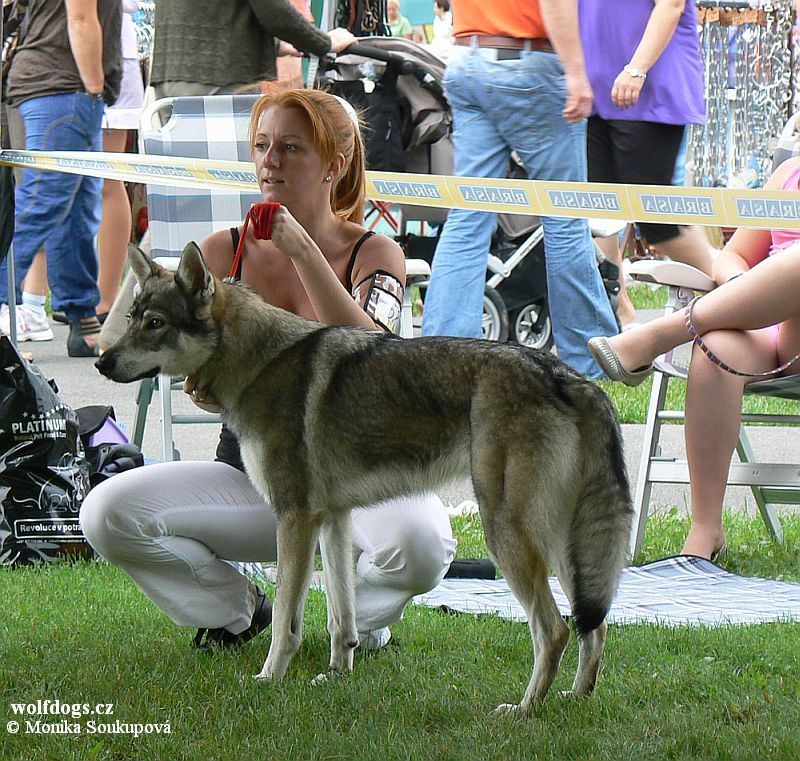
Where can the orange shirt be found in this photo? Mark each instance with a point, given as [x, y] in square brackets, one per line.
[511, 18]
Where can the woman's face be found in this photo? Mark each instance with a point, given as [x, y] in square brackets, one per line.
[286, 160]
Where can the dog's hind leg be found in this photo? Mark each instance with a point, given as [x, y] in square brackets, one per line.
[527, 578]
[337, 564]
[591, 646]
[515, 548]
[512, 502]
[297, 542]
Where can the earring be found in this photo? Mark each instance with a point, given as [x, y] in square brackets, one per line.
[328, 178]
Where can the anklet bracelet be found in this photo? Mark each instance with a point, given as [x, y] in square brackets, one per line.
[717, 361]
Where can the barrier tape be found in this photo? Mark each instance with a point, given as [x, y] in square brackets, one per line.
[644, 203]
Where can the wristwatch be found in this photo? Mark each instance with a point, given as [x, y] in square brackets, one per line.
[95, 95]
[632, 72]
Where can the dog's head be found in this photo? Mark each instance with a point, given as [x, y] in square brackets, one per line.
[171, 328]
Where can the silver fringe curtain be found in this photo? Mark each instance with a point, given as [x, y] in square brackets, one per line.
[748, 72]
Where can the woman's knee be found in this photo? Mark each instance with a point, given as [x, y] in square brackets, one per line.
[108, 520]
[416, 550]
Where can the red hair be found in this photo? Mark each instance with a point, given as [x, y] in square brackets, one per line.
[334, 132]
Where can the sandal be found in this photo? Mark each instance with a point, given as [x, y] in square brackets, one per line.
[609, 363]
[78, 330]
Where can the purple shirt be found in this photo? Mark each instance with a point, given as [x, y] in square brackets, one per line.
[673, 93]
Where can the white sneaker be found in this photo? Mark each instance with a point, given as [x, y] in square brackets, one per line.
[31, 326]
[37, 326]
[5, 321]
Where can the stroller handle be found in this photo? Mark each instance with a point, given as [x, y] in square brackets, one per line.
[394, 60]
[398, 64]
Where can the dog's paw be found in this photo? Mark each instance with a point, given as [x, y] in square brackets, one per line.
[328, 676]
[264, 678]
[507, 708]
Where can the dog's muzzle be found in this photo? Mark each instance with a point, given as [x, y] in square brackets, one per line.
[107, 366]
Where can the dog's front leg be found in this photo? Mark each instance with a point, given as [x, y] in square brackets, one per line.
[297, 541]
[337, 564]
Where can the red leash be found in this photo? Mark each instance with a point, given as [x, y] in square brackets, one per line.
[261, 215]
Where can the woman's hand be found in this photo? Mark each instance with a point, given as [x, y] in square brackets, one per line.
[626, 89]
[289, 235]
[287, 49]
[201, 397]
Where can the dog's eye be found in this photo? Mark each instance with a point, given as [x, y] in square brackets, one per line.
[155, 323]
[128, 318]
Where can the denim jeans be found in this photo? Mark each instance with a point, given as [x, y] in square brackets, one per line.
[60, 211]
[500, 106]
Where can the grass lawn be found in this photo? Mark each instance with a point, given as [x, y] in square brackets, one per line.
[82, 633]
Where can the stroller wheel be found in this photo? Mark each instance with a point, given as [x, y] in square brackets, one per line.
[532, 326]
[495, 316]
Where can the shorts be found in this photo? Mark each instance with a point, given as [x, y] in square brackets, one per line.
[635, 153]
[125, 113]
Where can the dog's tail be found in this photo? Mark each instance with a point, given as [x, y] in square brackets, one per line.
[600, 528]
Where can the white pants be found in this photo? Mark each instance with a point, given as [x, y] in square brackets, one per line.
[172, 526]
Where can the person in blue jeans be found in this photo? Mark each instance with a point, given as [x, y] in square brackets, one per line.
[516, 84]
[67, 68]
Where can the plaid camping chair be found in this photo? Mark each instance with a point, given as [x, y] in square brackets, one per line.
[207, 127]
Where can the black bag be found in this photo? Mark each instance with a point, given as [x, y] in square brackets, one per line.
[44, 475]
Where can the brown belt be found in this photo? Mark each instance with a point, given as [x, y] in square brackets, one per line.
[502, 42]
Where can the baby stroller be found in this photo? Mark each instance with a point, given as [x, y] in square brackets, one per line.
[397, 85]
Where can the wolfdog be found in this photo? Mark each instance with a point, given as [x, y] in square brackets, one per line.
[331, 418]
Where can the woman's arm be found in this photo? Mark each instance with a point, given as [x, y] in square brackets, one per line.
[657, 35]
[747, 247]
[86, 42]
[332, 304]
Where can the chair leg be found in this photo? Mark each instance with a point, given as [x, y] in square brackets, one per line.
[144, 396]
[650, 449]
[767, 509]
[168, 451]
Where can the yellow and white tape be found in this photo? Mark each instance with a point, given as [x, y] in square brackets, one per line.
[644, 203]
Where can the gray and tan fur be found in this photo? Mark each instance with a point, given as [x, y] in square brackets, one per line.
[330, 418]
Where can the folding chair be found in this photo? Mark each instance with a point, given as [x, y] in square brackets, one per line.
[212, 127]
[771, 483]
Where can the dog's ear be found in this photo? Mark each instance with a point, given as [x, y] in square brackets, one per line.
[193, 277]
[141, 264]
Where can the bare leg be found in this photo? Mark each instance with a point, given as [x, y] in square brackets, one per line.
[611, 250]
[115, 227]
[691, 246]
[713, 410]
[36, 277]
[738, 305]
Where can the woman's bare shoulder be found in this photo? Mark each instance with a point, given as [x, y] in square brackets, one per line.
[379, 252]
